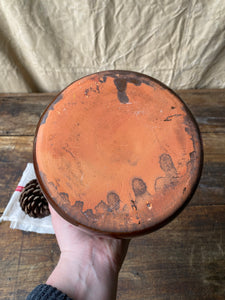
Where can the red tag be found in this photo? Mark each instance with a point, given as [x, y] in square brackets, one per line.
[19, 188]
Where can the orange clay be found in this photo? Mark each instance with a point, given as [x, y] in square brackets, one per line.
[117, 152]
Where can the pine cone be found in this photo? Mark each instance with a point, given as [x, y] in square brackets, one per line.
[33, 202]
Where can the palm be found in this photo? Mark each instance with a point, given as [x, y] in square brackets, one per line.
[74, 241]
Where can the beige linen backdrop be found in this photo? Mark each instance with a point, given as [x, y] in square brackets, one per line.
[47, 44]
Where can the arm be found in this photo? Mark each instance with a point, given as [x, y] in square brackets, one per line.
[89, 264]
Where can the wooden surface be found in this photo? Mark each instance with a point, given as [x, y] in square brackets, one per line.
[183, 260]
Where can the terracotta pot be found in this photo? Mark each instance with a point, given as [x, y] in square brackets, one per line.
[118, 152]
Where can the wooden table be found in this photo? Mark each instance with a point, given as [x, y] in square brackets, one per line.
[183, 260]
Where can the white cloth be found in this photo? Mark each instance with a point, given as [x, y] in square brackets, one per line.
[45, 45]
[14, 213]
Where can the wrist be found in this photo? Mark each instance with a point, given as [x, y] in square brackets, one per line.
[85, 277]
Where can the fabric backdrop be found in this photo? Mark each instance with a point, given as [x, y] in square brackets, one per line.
[45, 45]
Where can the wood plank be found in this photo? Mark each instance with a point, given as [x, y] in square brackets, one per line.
[15, 153]
[211, 190]
[183, 260]
[21, 113]
[208, 108]
[214, 147]
[26, 258]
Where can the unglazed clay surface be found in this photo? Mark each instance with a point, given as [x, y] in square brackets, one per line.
[117, 152]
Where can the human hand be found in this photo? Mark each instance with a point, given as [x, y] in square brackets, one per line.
[89, 263]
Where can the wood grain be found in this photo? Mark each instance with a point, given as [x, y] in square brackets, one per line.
[183, 260]
[20, 113]
[26, 259]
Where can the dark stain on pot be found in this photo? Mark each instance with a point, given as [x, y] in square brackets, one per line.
[126, 75]
[166, 163]
[121, 85]
[89, 90]
[169, 118]
[133, 205]
[65, 198]
[103, 79]
[102, 208]
[51, 107]
[113, 200]
[79, 205]
[192, 155]
[139, 186]
[89, 214]
[135, 81]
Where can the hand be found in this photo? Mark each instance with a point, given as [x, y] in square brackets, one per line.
[89, 264]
